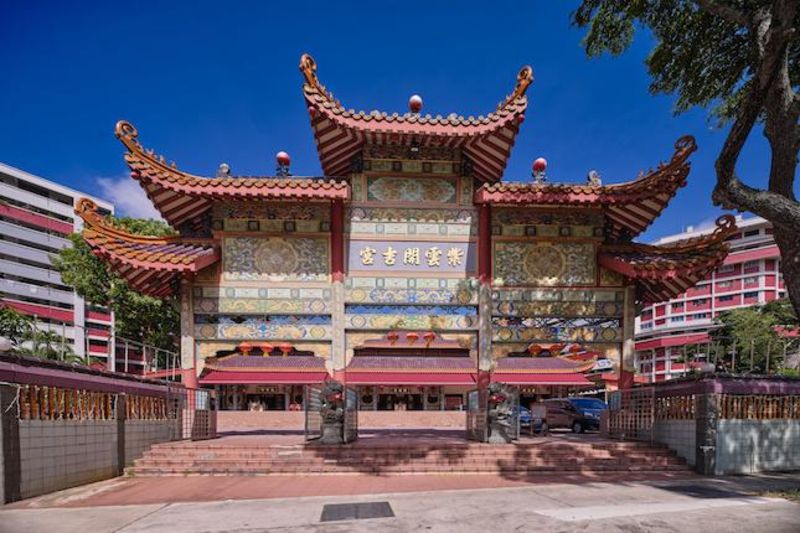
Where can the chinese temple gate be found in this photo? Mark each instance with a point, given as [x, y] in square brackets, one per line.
[410, 270]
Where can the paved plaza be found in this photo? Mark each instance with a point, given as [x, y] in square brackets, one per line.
[418, 503]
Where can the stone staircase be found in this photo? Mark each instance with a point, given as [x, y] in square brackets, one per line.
[527, 458]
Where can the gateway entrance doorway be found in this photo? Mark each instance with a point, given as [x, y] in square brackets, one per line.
[400, 402]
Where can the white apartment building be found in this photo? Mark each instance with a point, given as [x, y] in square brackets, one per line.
[36, 216]
[750, 275]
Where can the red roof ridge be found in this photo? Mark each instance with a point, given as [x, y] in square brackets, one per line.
[325, 99]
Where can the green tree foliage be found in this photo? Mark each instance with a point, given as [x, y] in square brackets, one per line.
[153, 321]
[741, 58]
[14, 325]
[751, 331]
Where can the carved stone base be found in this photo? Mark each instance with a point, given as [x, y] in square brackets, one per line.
[332, 433]
[498, 433]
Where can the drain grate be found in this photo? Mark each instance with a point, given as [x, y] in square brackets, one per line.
[333, 512]
[701, 491]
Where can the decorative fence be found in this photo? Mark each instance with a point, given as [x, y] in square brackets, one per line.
[65, 425]
[719, 424]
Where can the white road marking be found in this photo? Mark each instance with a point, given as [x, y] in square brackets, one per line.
[599, 512]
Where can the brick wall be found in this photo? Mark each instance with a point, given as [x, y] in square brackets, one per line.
[749, 446]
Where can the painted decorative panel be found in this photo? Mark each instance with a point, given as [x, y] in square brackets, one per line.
[275, 259]
[278, 327]
[209, 348]
[410, 221]
[428, 190]
[411, 317]
[411, 256]
[520, 302]
[544, 263]
[410, 290]
[609, 278]
[556, 329]
[262, 300]
[546, 223]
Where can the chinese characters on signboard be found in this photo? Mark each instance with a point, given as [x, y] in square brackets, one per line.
[411, 256]
[432, 257]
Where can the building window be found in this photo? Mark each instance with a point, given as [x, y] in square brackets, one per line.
[725, 269]
[677, 307]
[728, 298]
[724, 284]
[751, 265]
[753, 294]
[699, 316]
[676, 319]
[701, 301]
[752, 280]
[751, 233]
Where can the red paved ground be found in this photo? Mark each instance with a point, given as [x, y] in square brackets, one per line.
[130, 491]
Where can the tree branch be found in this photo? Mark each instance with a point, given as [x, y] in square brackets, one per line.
[725, 12]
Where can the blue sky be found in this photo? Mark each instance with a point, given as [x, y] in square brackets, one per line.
[206, 82]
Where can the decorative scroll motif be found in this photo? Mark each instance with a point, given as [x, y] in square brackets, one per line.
[262, 210]
[544, 263]
[556, 295]
[410, 221]
[275, 259]
[273, 327]
[412, 190]
[415, 321]
[555, 329]
[411, 317]
[523, 309]
[263, 306]
[410, 290]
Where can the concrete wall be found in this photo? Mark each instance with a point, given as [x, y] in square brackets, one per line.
[58, 454]
[748, 446]
[141, 434]
[679, 436]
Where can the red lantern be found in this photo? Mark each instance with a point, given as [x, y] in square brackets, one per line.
[392, 336]
[429, 338]
[412, 337]
[266, 349]
[285, 347]
[245, 348]
[534, 350]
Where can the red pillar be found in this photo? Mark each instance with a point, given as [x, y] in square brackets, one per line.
[190, 378]
[485, 244]
[337, 240]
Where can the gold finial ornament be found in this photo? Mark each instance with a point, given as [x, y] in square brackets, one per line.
[309, 69]
[524, 79]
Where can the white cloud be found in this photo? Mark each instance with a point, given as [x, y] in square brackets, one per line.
[128, 198]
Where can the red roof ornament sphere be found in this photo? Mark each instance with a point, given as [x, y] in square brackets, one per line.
[283, 158]
[415, 103]
[540, 165]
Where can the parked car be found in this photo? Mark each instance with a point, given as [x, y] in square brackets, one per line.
[526, 419]
[561, 413]
[590, 407]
